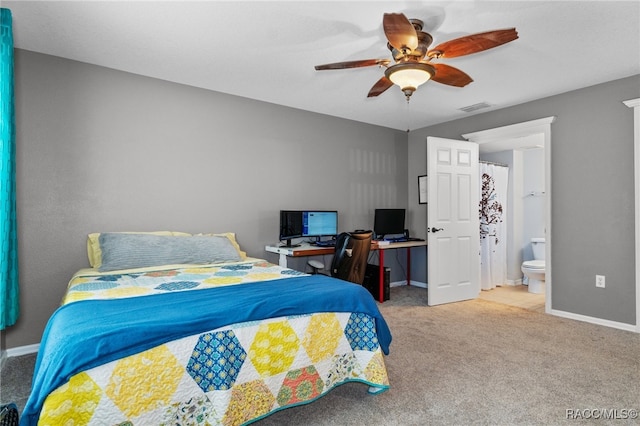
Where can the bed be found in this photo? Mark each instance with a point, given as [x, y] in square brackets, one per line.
[171, 328]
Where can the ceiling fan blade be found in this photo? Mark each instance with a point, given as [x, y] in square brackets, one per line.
[473, 43]
[400, 31]
[353, 64]
[381, 85]
[446, 74]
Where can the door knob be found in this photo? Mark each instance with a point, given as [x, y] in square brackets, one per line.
[436, 229]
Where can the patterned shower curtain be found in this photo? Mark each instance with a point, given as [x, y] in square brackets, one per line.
[9, 307]
[493, 225]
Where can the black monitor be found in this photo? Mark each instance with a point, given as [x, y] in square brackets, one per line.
[290, 225]
[388, 222]
[307, 223]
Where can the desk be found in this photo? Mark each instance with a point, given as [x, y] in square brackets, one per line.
[306, 249]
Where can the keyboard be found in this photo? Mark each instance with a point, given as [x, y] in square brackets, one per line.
[325, 243]
[402, 239]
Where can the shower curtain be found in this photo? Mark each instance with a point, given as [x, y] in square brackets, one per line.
[9, 307]
[494, 180]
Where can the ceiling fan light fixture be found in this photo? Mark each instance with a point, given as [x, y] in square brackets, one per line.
[410, 75]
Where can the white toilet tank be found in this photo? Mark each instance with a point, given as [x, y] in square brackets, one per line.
[537, 245]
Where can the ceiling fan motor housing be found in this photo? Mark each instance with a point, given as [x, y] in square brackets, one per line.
[424, 41]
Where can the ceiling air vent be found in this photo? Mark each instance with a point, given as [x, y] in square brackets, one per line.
[475, 107]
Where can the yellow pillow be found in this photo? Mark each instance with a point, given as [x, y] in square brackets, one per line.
[95, 252]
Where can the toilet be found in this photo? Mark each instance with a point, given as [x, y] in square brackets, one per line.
[534, 270]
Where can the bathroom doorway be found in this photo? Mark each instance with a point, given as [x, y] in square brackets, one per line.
[526, 148]
[522, 218]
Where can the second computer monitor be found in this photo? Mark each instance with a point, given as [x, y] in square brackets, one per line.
[319, 223]
[388, 222]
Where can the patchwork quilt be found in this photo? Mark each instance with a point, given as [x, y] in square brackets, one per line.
[89, 284]
[203, 348]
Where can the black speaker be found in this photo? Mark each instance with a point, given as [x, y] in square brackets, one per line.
[406, 233]
[371, 281]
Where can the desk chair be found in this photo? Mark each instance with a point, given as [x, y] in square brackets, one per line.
[9, 415]
[350, 259]
[316, 266]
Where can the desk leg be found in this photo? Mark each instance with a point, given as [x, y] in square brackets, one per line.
[381, 276]
[283, 260]
[408, 265]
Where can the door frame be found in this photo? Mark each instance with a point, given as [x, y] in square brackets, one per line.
[519, 130]
[635, 104]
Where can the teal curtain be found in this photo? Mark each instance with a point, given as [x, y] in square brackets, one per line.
[9, 297]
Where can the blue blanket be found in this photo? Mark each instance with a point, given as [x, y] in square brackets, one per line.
[85, 334]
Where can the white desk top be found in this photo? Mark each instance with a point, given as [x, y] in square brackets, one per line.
[401, 244]
[306, 249]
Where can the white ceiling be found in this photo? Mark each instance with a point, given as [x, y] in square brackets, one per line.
[267, 50]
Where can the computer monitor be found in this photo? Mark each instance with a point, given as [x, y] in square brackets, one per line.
[307, 224]
[290, 226]
[388, 222]
[319, 223]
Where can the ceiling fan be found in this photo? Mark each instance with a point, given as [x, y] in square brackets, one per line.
[414, 61]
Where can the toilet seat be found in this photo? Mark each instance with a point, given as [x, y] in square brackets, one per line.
[533, 264]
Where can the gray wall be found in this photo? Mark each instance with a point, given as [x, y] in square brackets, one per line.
[592, 197]
[101, 150]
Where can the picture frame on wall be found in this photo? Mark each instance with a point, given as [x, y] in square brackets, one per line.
[422, 189]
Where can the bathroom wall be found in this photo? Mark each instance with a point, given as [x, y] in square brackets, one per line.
[533, 202]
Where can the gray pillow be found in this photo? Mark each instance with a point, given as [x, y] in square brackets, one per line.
[126, 251]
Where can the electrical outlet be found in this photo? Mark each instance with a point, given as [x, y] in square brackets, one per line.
[600, 281]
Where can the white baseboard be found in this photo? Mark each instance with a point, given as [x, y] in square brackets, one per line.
[23, 350]
[413, 283]
[19, 351]
[593, 320]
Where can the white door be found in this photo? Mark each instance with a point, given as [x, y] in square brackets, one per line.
[452, 221]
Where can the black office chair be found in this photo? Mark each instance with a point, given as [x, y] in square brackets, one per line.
[350, 259]
[9, 415]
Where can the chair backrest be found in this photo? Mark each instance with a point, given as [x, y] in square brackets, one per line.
[350, 259]
[340, 255]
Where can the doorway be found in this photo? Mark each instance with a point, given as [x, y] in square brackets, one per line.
[516, 138]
